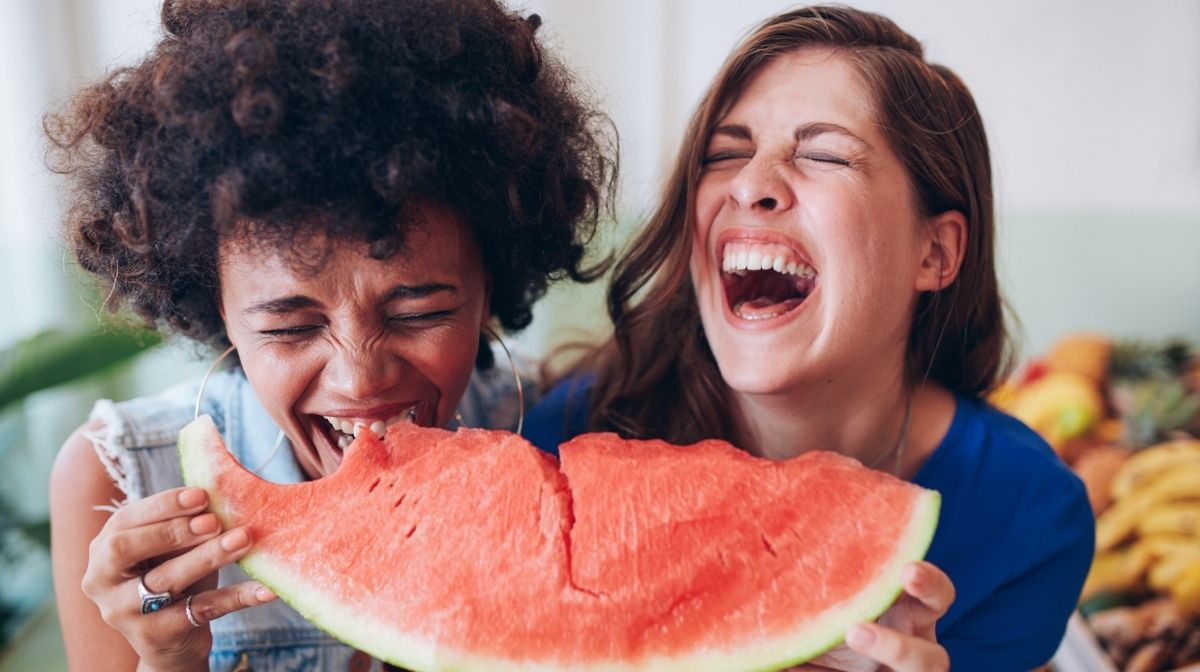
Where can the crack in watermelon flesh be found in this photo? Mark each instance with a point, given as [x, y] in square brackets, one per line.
[472, 550]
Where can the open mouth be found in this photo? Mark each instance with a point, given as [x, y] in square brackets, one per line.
[764, 281]
[337, 433]
[342, 432]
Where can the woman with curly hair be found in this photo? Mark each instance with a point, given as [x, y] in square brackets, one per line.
[819, 275]
[345, 193]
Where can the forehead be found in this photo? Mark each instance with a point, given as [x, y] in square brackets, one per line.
[804, 85]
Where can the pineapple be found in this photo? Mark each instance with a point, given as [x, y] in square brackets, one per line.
[1152, 390]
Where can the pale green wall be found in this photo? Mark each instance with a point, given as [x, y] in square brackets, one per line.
[1129, 275]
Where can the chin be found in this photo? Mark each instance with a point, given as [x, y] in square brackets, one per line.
[759, 375]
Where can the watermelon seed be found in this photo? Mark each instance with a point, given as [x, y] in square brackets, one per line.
[768, 545]
[399, 501]
[410, 532]
[374, 485]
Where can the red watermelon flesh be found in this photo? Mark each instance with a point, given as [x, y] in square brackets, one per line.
[473, 550]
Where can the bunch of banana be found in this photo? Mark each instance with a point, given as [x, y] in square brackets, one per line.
[1150, 463]
[1149, 538]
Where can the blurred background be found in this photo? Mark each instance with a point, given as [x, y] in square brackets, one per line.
[1092, 108]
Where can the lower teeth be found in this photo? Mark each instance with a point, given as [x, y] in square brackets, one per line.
[344, 441]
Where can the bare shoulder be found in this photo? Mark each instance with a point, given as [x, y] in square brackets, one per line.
[78, 475]
[79, 484]
[81, 492]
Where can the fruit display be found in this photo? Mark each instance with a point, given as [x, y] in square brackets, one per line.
[1126, 418]
[496, 556]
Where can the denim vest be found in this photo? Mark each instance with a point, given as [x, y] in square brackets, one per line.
[137, 445]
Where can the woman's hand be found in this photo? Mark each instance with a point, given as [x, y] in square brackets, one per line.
[904, 638]
[176, 547]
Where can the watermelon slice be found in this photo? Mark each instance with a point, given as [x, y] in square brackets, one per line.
[472, 550]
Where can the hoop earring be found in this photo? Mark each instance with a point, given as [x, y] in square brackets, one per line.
[271, 457]
[204, 380]
[200, 396]
[516, 376]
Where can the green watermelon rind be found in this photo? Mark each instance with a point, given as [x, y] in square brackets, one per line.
[824, 632]
[783, 652]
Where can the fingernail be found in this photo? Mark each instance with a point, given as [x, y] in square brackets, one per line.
[859, 637]
[205, 523]
[264, 594]
[235, 539]
[192, 497]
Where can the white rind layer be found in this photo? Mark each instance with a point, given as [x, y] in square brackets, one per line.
[358, 629]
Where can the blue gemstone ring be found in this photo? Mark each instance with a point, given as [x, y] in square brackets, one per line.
[151, 602]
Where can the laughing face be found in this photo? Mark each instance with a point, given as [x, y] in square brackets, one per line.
[808, 247]
[355, 344]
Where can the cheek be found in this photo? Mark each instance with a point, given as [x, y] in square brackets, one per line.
[280, 378]
[448, 367]
[444, 357]
[449, 358]
[707, 206]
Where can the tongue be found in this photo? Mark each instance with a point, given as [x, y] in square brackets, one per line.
[764, 308]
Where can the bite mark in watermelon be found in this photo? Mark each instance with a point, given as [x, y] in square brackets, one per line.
[472, 550]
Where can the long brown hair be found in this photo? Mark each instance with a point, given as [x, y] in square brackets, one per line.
[657, 377]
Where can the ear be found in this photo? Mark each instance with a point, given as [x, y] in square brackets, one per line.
[225, 321]
[221, 298]
[943, 247]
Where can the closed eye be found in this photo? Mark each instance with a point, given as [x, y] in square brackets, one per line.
[418, 318]
[724, 156]
[825, 158]
[290, 331]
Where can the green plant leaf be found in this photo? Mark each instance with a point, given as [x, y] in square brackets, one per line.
[54, 357]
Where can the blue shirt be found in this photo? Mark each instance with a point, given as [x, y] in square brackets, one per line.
[1015, 535]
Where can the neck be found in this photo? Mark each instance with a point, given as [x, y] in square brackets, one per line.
[868, 423]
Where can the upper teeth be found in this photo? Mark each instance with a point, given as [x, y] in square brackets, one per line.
[759, 257]
[353, 428]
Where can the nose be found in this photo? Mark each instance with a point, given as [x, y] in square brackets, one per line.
[761, 186]
[362, 372]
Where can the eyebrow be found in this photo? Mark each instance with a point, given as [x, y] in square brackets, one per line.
[812, 130]
[289, 304]
[735, 131]
[804, 132]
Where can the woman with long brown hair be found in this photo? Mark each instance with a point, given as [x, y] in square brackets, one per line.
[819, 274]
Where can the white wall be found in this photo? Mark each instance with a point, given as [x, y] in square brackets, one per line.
[1091, 105]
[48, 49]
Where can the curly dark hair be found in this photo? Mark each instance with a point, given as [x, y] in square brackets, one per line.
[277, 113]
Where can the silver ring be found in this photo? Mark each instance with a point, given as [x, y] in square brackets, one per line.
[187, 611]
[151, 602]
